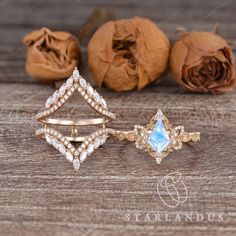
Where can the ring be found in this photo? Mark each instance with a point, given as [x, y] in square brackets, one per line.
[66, 148]
[75, 83]
[158, 138]
[63, 143]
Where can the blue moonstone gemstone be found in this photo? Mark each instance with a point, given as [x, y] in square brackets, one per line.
[159, 139]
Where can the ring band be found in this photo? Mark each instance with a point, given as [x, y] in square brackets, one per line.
[66, 148]
[62, 142]
[158, 138]
[75, 83]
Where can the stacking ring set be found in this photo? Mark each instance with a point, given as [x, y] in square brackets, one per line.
[158, 138]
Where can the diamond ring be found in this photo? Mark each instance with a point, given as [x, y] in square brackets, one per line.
[75, 83]
[158, 138]
[63, 143]
[66, 148]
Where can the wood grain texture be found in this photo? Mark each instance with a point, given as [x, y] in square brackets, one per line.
[40, 193]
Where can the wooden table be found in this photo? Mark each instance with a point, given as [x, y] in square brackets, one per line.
[115, 191]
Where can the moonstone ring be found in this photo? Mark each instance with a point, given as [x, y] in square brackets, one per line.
[158, 138]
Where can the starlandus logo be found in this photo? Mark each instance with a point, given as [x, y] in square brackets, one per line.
[172, 190]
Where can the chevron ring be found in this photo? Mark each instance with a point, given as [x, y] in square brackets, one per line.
[63, 143]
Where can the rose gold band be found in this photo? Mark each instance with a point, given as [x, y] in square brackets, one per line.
[74, 125]
[60, 97]
[79, 122]
[77, 139]
[76, 155]
[132, 136]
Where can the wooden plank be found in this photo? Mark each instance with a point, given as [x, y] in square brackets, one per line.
[48, 190]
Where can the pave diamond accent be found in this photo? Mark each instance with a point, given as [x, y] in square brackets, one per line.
[48, 139]
[72, 154]
[69, 83]
[62, 149]
[90, 149]
[69, 157]
[83, 156]
[83, 82]
[103, 102]
[76, 164]
[49, 102]
[76, 73]
[62, 90]
[75, 83]
[159, 138]
[90, 90]
[158, 160]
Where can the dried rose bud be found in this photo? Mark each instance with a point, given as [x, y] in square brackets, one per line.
[128, 54]
[51, 55]
[203, 62]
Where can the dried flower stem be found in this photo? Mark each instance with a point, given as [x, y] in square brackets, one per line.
[98, 17]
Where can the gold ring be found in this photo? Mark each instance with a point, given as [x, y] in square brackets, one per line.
[63, 143]
[75, 83]
[158, 138]
[66, 148]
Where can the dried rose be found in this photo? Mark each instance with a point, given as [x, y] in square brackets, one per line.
[128, 54]
[51, 55]
[203, 62]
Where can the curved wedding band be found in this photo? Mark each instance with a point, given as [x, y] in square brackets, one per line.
[59, 98]
[66, 148]
[63, 143]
